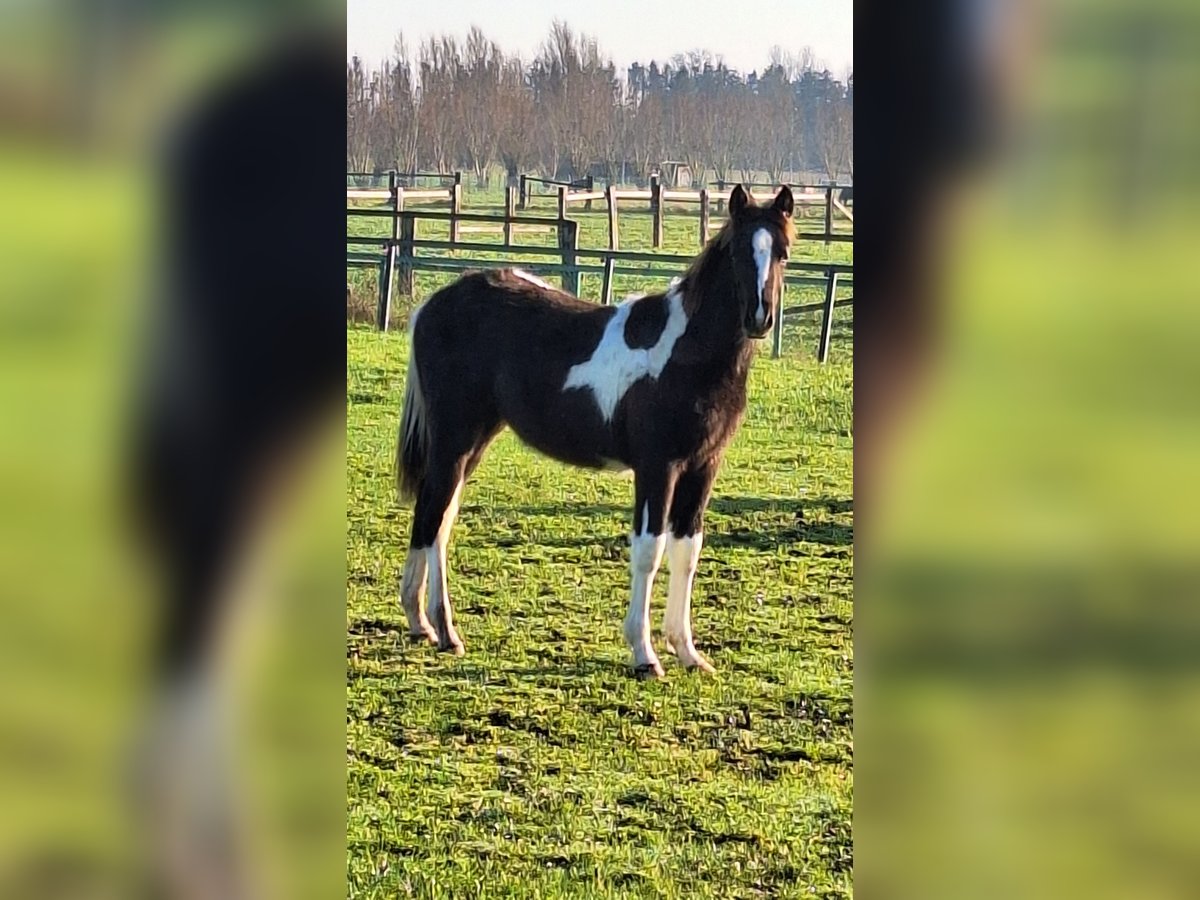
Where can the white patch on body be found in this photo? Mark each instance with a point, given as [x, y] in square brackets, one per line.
[645, 555]
[614, 366]
[762, 243]
[683, 555]
[532, 279]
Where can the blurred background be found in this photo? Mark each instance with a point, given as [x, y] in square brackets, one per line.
[1028, 433]
[97, 107]
[1027, 636]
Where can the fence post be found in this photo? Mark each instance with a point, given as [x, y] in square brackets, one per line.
[777, 337]
[606, 288]
[613, 236]
[408, 233]
[562, 201]
[827, 317]
[720, 195]
[828, 213]
[568, 235]
[703, 216]
[656, 208]
[524, 193]
[510, 201]
[591, 186]
[381, 281]
[383, 313]
[457, 177]
[455, 208]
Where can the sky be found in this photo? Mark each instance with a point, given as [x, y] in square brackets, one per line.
[627, 30]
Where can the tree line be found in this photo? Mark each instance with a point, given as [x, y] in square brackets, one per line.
[466, 104]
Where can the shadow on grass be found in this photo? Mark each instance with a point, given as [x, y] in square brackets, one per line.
[717, 534]
[725, 506]
[570, 667]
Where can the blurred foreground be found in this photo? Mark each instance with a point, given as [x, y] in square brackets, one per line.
[1028, 690]
[123, 771]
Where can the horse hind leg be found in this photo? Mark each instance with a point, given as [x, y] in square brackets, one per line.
[412, 596]
[436, 509]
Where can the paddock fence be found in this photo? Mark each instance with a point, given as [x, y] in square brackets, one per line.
[397, 257]
[659, 201]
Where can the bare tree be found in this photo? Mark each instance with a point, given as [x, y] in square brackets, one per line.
[835, 137]
[476, 92]
[359, 115]
[575, 89]
[464, 103]
[395, 126]
[516, 121]
[439, 61]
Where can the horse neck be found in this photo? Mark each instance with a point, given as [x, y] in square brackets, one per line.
[715, 335]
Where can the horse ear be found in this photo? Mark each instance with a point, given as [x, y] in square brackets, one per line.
[738, 201]
[783, 200]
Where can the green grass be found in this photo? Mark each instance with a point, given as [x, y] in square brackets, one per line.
[536, 766]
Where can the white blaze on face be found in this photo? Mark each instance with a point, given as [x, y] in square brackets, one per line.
[614, 366]
[763, 245]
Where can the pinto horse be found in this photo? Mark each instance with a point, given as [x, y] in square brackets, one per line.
[656, 385]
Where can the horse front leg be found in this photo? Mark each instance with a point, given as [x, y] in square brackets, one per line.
[684, 543]
[652, 496]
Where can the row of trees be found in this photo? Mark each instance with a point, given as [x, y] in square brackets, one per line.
[466, 104]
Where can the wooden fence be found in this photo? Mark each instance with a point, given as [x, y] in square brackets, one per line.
[585, 184]
[404, 179]
[396, 196]
[660, 200]
[397, 257]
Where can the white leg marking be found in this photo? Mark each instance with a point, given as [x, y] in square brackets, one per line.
[412, 594]
[532, 279]
[763, 244]
[614, 366]
[683, 554]
[440, 613]
[646, 552]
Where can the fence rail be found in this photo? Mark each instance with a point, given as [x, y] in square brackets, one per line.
[587, 183]
[405, 179]
[397, 258]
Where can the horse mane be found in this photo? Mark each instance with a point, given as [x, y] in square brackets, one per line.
[719, 242]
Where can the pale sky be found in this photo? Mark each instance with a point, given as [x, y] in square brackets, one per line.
[627, 30]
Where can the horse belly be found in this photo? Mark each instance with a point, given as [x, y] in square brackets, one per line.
[564, 431]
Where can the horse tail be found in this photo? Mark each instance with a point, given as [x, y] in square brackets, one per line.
[412, 446]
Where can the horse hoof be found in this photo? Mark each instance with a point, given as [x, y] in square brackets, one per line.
[451, 647]
[698, 664]
[423, 637]
[648, 671]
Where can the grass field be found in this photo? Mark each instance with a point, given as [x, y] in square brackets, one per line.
[536, 766]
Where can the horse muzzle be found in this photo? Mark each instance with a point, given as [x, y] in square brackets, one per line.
[757, 332]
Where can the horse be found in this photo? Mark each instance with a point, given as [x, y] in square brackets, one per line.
[656, 385]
